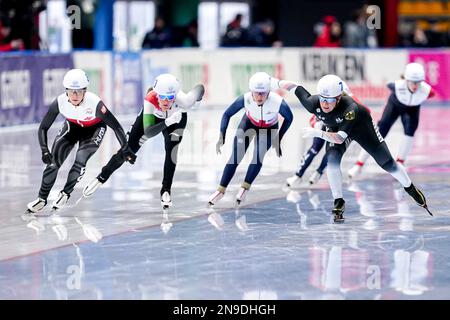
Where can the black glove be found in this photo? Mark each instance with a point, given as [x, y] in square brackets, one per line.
[47, 157]
[128, 155]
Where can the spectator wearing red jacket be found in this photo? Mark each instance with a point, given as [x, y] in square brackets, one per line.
[328, 32]
[7, 43]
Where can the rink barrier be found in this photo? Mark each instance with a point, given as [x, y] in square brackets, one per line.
[29, 81]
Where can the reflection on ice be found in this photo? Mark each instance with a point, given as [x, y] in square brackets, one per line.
[280, 245]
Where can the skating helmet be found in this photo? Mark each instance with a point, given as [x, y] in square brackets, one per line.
[330, 86]
[166, 86]
[414, 72]
[259, 82]
[75, 79]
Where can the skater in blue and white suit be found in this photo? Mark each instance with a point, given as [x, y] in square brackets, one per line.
[259, 123]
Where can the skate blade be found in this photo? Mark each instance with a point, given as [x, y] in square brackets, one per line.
[86, 195]
[43, 214]
[338, 220]
[428, 210]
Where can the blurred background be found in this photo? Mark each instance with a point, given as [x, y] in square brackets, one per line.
[59, 26]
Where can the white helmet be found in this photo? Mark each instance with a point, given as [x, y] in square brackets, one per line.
[330, 86]
[75, 79]
[259, 82]
[414, 72]
[166, 84]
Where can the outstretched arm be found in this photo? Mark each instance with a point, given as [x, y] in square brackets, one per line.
[46, 123]
[333, 137]
[282, 84]
[111, 121]
[344, 129]
[187, 100]
[302, 94]
[305, 98]
[151, 128]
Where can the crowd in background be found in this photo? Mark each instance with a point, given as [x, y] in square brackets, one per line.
[423, 33]
[19, 24]
[356, 34]
[163, 36]
[261, 34]
[19, 31]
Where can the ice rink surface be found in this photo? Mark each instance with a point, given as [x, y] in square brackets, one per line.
[281, 244]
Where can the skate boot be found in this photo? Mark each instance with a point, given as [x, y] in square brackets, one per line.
[355, 170]
[216, 196]
[338, 210]
[240, 197]
[61, 200]
[91, 187]
[294, 181]
[166, 200]
[36, 205]
[315, 177]
[418, 197]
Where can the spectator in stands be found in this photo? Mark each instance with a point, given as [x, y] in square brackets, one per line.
[419, 37]
[190, 38]
[235, 35]
[356, 32]
[423, 34]
[436, 36]
[159, 37]
[7, 41]
[328, 32]
[262, 34]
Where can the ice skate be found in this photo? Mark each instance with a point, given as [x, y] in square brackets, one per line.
[36, 205]
[315, 177]
[215, 197]
[61, 201]
[294, 181]
[241, 195]
[338, 210]
[418, 196]
[91, 187]
[166, 200]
